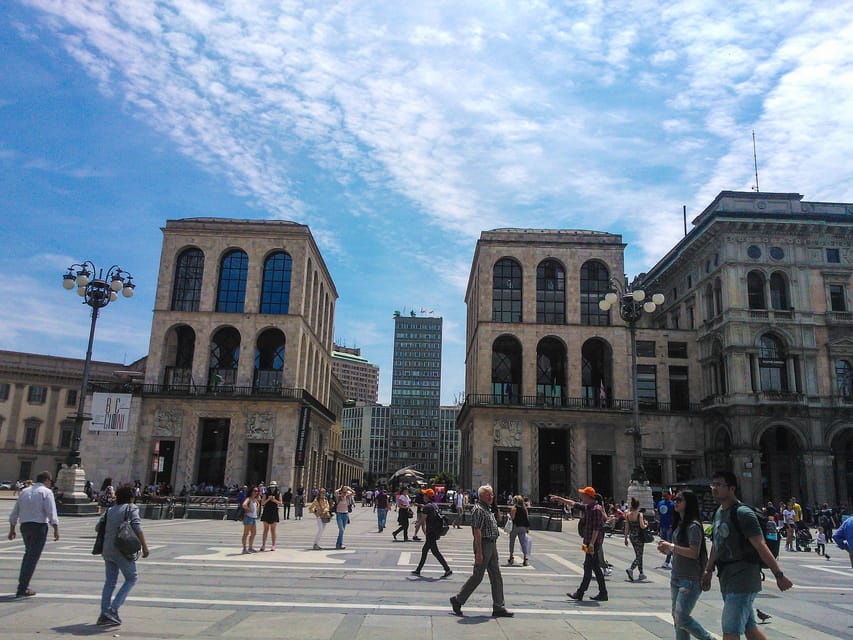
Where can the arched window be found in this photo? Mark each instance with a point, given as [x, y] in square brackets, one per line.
[844, 379]
[232, 282]
[186, 289]
[772, 364]
[550, 293]
[595, 373]
[778, 292]
[275, 291]
[506, 370]
[755, 290]
[595, 282]
[718, 296]
[269, 360]
[224, 357]
[506, 291]
[708, 299]
[550, 371]
[180, 350]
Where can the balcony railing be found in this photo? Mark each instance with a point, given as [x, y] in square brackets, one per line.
[267, 380]
[781, 396]
[839, 316]
[578, 404]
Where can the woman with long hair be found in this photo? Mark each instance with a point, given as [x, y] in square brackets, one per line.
[320, 508]
[520, 528]
[789, 516]
[689, 555]
[404, 514]
[250, 519]
[636, 523]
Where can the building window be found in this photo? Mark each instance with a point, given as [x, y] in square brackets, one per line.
[674, 294]
[776, 253]
[595, 372]
[275, 293]
[683, 470]
[26, 470]
[833, 255]
[647, 386]
[691, 320]
[753, 252]
[708, 300]
[71, 398]
[506, 370]
[269, 360]
[718, 369]
[186, 290]
[65, 438]
[550, 370]
[595, 282]
[679, 390]
[778, 292]
[718, 296]
[31, 430]
[36, 395]
[675, 320]
[654, 471]
[837, 300]
[550, 293]
[4, 391]
[689, 282]
[772, 364]
[755, 290]
[232, 282]
[645, 348]
[676, 349]
[506, 291]
[844, 379]
[224, 357]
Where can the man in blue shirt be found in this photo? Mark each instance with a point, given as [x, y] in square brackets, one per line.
[665, 511]
[35, 509]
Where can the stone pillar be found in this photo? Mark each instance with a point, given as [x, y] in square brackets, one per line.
[746, 465]
[819, 481]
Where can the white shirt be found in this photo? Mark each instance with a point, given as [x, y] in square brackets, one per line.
[35, 504]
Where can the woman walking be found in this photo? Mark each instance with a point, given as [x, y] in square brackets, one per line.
[107, 496]
[520, 527]
[689, 556]
[298, 503]
[320, 508]
[342, 508]
[431, 514]
[634, 532]
[404, 514]
[269, 514]
[250, 520]
[115, 560]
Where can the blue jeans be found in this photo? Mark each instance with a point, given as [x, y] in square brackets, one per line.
[381, 516]
[738, 612]
[685, 594]
[343, 521]
[34, 535]
[112, 565]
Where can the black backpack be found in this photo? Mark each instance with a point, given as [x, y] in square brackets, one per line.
[768, 528]
[437, 524]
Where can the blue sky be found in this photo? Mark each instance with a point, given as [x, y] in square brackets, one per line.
[398, 132]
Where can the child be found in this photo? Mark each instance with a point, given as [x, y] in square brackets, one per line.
[821, 544]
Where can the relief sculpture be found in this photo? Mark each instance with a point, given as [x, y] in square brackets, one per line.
[168, 422]
[507, 433]
[259, 426]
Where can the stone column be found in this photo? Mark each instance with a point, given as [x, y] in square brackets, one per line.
[746, 465]
[819, 481]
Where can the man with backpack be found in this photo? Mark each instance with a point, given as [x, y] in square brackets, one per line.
[433, 525]
[739, 552]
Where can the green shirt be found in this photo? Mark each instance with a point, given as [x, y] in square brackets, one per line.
[731, 547]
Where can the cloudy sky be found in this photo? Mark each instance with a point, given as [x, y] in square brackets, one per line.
[398, 131]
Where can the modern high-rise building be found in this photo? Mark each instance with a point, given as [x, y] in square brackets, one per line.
[416, 394]
[364, 431]
[359, 377]
[449, 441]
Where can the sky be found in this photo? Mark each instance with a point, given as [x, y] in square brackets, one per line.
[398, 132]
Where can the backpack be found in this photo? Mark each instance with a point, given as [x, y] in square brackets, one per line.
[437, 525]
[771, 537]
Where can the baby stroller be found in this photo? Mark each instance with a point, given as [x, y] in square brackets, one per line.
[804, 536]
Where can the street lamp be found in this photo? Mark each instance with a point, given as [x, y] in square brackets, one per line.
[97, 291]
[632, 303]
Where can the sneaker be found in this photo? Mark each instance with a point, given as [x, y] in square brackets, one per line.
[394, 535]
[630, 575]
[608, 572]
[502, 613]
[575, 596]
[103, 621]
[272, 548]
[317, 547]
[642, 576]
[416, 573]
[112, 613]
[26, 593]
[457, 606]
[665, 566]
[447, 574]
[416, 539]
[245, 550]
[252, 550]
[525, 563]
[510, 561]
[340, 548]
[601, 597]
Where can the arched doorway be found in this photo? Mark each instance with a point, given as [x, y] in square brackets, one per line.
[842, 453]
[781, 464]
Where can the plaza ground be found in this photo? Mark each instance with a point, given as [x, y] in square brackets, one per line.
[197, 584]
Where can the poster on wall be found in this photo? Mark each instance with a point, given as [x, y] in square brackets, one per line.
[302, 436]
[110, 412]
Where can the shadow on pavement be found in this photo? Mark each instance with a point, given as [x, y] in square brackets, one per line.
[84, 630]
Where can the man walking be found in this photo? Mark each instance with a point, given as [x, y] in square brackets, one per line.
[484, 528]
[593, 538]
[380, 506]
[34, 509]
[665, 509]
[737, 551]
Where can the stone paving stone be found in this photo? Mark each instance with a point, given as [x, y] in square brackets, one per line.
[296, 625]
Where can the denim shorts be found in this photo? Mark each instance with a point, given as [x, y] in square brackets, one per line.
[738, 612]
[249, 521]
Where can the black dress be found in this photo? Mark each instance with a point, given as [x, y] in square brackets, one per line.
[270, 512]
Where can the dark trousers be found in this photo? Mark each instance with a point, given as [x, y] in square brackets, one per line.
[492, 565]
[34, 535]
[404, 527]
[590, 566]
[286, 509]
[431, 544]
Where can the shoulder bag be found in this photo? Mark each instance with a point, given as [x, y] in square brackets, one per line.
[127, 542]
[100, 528]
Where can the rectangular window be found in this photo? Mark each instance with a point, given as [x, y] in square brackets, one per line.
[36, 395]
[836, 298]
[674, 294]
[689, 282]
[833, 255]
[654, 470]
[647, 387]
[71, 398]
[4, 391]
[646, 348]
[691, 320]
[30, 436]
[683, 470]
[676, 349]
[65, 439]
[675, 320]
[26, 470]
[679, 390]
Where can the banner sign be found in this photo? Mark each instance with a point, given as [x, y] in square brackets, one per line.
[302, 436]
[110, 412]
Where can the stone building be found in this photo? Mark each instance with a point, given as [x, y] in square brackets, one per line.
[359, 377]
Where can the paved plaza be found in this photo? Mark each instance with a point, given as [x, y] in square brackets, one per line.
[197, 584]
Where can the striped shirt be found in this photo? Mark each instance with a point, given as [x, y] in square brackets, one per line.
[483, 519]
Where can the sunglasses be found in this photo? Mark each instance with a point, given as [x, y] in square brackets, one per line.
[679, 499]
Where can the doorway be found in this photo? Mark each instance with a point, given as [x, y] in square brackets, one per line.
[257, 464]
[164, 457]
[602, 475]
[214, 451]
[507, 472]
[553, 463]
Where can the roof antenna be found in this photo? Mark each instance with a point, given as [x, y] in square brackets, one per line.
[755, 160]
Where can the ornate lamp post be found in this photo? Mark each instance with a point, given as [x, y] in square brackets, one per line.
[632, 303]
[97, 290]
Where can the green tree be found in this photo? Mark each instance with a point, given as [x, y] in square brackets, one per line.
[445, 478]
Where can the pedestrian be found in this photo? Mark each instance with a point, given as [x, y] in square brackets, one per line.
[342, 507]
[788, 519]
[380, 506]
[458, 508]
[250, 520]
[286, 500]
[484, 528]
[798, 517]
[320, 508]
[634, 532]
[520, 528]
[431, 524]
[114, 559]
[737, 550]
[107, 496]
[35, 509]
[269, 514]
[404, 514]
[689, 554]
[665, 512]
[298, 503]
[843, 537]
[824, 520]
[593, 537]
[821, 544]
[419, 502]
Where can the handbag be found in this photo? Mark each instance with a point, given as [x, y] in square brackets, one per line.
[508, 526]
[127, 542]
[100, 528]
[646, 536]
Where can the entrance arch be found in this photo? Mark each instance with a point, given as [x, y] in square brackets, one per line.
[780, 448]
[842, 454]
